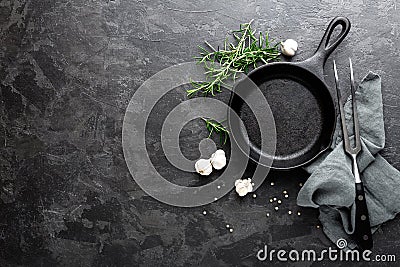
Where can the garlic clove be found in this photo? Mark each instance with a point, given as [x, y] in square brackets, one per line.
[289, 47]
[218, 159]
[292, 44]
[249, 185]
[241, 190]
[288, 51]
[243, 186]
[237, 181]
[219, 152]
[203, 166]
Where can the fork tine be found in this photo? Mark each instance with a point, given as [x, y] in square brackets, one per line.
[357, 140]
[341, 111]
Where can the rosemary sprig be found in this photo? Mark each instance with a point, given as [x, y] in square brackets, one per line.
[232, 60]
[216, 127]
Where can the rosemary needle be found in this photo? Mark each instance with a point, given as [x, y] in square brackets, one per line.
[216, 127]
[233, 59]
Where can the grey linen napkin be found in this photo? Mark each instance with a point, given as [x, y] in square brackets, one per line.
[331, 184]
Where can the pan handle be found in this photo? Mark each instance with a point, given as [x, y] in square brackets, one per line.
[317, 61]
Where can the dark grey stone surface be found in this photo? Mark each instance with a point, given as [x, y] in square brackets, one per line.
[67, 72]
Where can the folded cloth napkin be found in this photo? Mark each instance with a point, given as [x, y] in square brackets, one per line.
[331, 185]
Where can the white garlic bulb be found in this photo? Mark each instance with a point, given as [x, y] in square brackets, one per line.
[203, 166]
[218, 159]
[243, 186]
[289, 47]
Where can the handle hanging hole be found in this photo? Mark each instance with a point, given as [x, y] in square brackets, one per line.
[333, 36]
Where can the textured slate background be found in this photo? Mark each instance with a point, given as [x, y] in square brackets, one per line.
[67, 72]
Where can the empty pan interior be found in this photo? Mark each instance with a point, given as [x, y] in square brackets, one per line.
[303, 110]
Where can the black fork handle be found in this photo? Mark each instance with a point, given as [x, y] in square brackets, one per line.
[362, 231]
